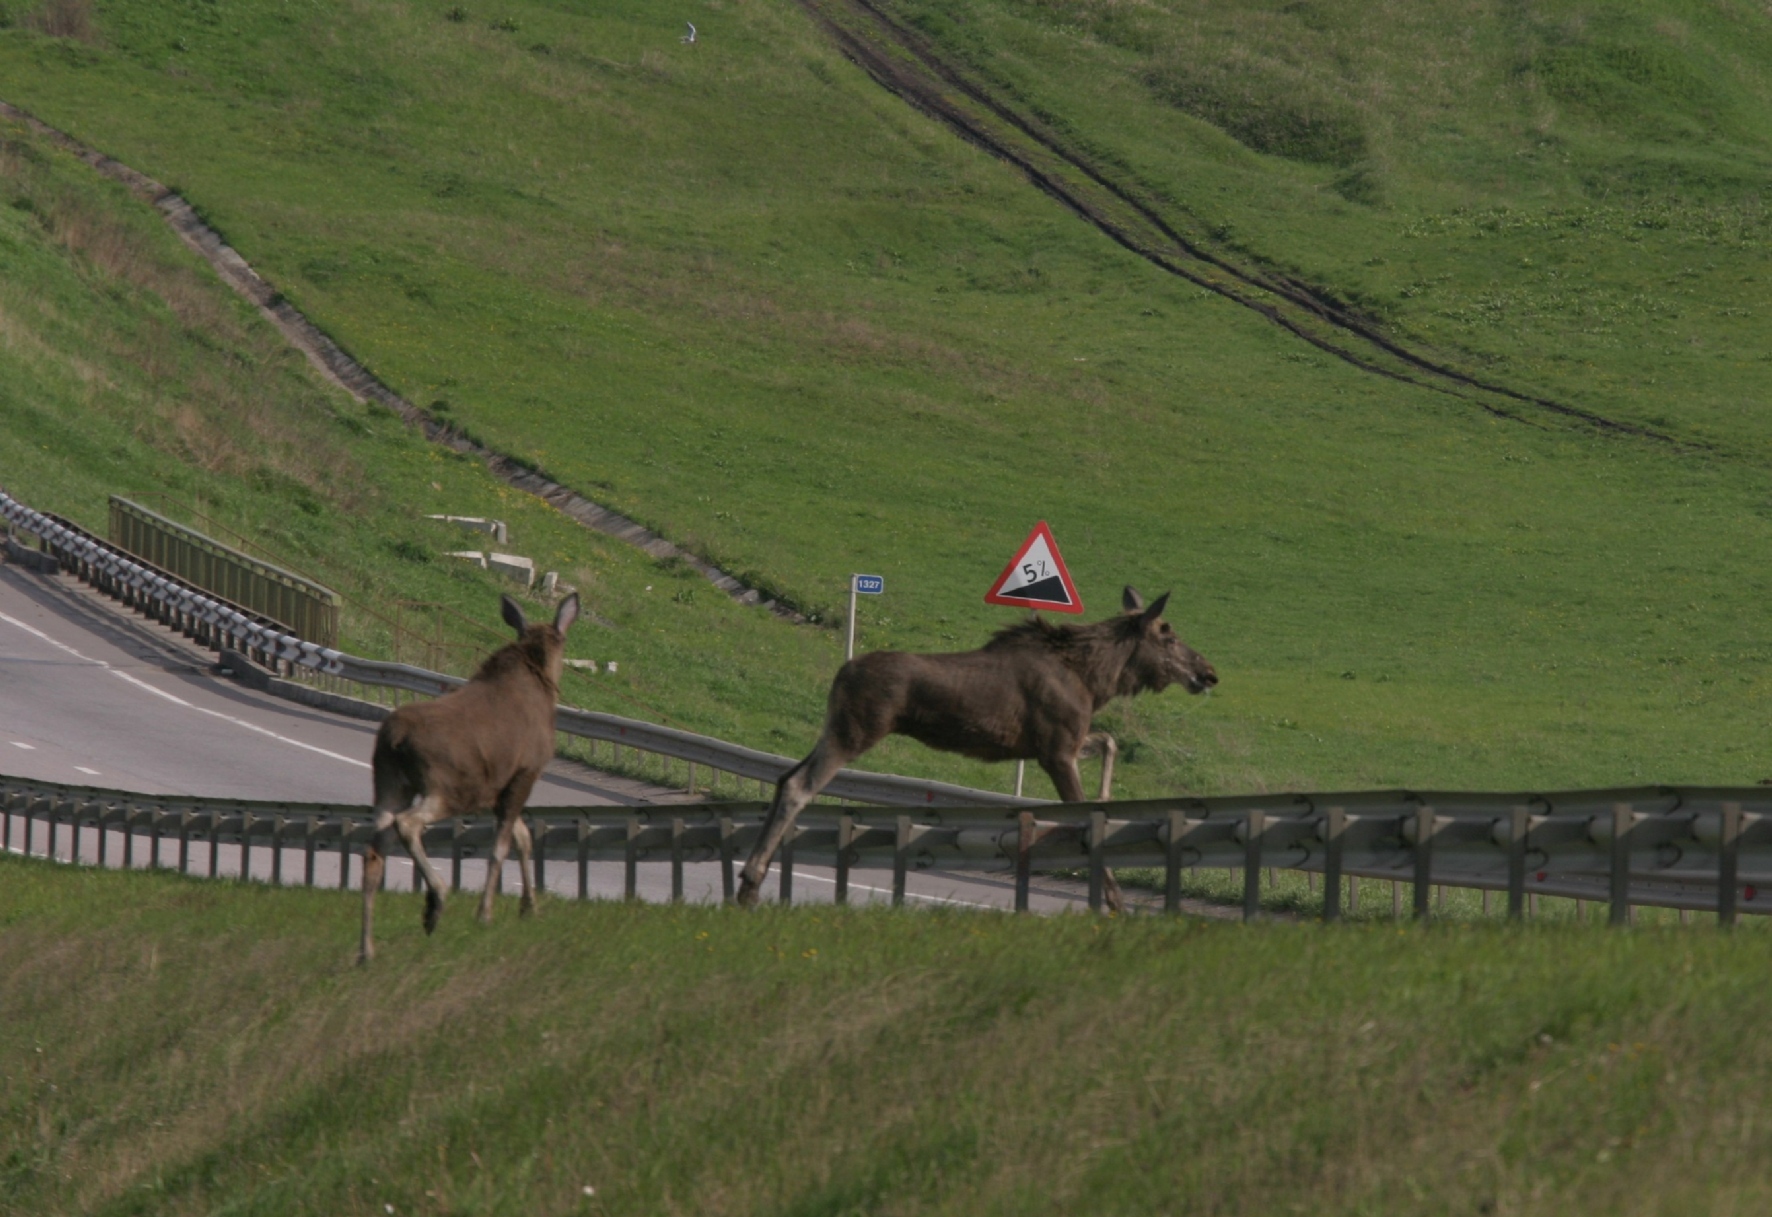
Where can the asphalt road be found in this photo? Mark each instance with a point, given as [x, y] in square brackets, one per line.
[94, 695]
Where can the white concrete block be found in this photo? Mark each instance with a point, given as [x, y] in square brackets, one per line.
[497, 528]
[470, 555]
[512, 566]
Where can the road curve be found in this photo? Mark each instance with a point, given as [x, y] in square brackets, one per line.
[94, 695]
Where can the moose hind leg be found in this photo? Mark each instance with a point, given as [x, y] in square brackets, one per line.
[411, 827]
[374, 864]
[495, 869]
[525, 846]
[798, 787]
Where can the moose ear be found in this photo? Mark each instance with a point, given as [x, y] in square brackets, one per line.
[1130, 600]
[513, 614]
[567, 614]
[1156, 609]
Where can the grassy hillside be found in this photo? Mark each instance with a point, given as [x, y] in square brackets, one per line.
[739, 292]
[171, 1046]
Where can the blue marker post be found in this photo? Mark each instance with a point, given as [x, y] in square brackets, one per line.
[866, 585]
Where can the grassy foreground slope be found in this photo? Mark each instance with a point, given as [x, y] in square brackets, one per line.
[171, 1046]
[744, 295]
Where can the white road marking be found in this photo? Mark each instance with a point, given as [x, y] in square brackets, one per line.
[84, 769]
[25, 746]
[142, 684]
[886, 891]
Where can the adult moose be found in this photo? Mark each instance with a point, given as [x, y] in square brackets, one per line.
[479, 746]
[1029, 693]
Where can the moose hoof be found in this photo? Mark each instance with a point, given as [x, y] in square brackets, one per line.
[747, 892]
[526, 908]
[484, 916]
[364, 956]
[433, 910]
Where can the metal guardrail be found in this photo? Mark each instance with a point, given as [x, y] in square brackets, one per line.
[301, 606]
[1670, 847]
[223, 624]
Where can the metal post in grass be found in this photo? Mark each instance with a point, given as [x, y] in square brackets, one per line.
[845, 842]
[455, 831]
[214, 842]
[1171, 861]
[901, 857]
[1728, 863]
[128, 837]
[727, 830]
[1254, 825]
[630, 880]
[277, 823]
[1519, 822]
[184, 840]
[310, 834]
[1024, 860]
[1334, 837]
[246, 849]
[786, 895]
[584, 857]
[1097, 868]
[677, 860]
[1424, 860]
[1618, 874]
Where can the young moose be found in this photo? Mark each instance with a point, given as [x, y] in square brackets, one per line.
[479, 746]
[1029, 693]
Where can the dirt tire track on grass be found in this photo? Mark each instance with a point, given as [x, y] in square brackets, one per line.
[340, 368]
[906, 64]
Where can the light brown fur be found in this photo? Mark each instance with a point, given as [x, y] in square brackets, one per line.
[1029, 693]
[479, 747]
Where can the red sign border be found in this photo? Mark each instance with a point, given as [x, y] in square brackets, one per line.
[1040, 530]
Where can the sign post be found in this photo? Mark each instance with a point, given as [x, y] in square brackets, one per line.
[1035, 578]
[866, 585]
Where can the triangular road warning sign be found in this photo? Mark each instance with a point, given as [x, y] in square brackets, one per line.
[1036, 578]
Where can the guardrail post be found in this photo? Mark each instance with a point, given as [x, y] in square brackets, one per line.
[1519, 822]
[1254, 826]
[277, 823]
[456, 829]
[1097, 842]
[128, 837]
[677, 860]
[1024, 858]
[786, 857]
[310, 831]
[246, 849]
[631, 861]
[584, 858]
[184, 841]
[1424, 861]
[845, 842]
[1728, 862]
[727, 885]
[214, 842]
[1172, 843]
[1334, 829]
[901, 856]
[1618, 875]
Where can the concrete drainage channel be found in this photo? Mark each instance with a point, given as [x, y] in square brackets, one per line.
[341, 369]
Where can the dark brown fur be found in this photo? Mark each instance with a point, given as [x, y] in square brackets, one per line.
[1029, 693]
[479, 747]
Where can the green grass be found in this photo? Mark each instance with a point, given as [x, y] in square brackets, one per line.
[738, 292]
[174, 1046]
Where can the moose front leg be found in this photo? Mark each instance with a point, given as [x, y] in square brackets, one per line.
[1103, 744]
[1064, 775]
